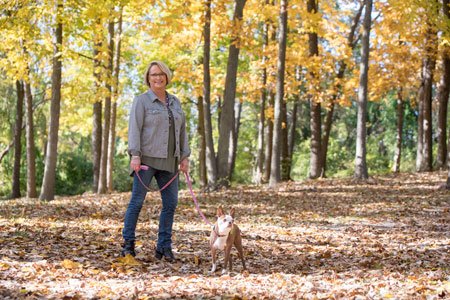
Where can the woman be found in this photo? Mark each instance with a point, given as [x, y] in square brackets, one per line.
[157, 140]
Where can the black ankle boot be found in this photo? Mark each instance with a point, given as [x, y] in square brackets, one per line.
[128, 248]
[166, 253]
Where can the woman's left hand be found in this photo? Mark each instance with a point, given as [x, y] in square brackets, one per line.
[184, 165]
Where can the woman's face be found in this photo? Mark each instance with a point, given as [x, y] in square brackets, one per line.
[157, 78]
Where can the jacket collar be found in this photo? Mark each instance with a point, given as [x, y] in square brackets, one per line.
[154, 98]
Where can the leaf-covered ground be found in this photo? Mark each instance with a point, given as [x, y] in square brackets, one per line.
[329, 239]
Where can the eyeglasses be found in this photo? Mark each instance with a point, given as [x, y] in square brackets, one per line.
[158, 75]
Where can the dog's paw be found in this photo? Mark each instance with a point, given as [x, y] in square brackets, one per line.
[213, 269]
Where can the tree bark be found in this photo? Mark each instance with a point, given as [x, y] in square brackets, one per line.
[227, 121]
[315, 112]
[285, 159]
[399, 137]
[97, 112]
[115, 93]
[210, 154]
[15, 192]
[429, 63]
[443, 93]
[48, 183]
[275, 168]
[269, 139]
[419, 150]
[107, 111]
[202, 147]
[258, 175]
[361, 171]
[291, 137]
[448, 165]
[31, 149]
[234, 140]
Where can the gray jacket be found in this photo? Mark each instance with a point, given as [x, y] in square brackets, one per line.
[148, 127]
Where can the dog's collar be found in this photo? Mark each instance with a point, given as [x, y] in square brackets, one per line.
[217, 232]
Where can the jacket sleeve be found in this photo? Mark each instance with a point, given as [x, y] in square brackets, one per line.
[135, 124]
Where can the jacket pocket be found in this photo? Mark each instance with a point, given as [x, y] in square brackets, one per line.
[154, 116]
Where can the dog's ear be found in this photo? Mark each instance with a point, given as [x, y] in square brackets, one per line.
[232, 212]
[220, 211]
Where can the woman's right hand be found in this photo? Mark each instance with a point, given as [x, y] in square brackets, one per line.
[135, 163]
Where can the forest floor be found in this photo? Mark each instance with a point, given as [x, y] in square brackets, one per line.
[386, 238]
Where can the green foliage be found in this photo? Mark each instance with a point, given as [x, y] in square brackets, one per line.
[74, 174]
[121, 175]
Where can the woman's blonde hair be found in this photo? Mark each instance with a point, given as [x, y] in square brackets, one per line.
[164, 68]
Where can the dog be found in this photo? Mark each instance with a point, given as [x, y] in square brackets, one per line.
[224, 235]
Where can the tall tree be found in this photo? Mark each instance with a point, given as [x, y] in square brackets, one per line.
[275, 168]
[448, 165]
[259, 164]
[202, 144]
[315, 112]
[108, 67]
[269, 137]
[17, 140]
[31, 152]
[115, 93]
[291, 137]
[443, 94]
[48, 183]
[97, 106]
[227, 119]
[399, 135]
[202, 147]
[424, 159]
[210, 154]
[234, 139]
[361, 171]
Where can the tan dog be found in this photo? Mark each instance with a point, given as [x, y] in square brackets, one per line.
[224, 235]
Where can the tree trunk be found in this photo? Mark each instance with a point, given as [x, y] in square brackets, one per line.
[448, 165]
[269, 139]
[48, 183]
[427, 77]
[285, 159]
[15, 192]
[115, 93]
[399, 137]
[419, 150]
[107, 111]
[291, 137]
[210, 154]
[326, 138]
[444, 89]
[275, 168]
[97, 113]
[227, 121]
[258, 175]
[31, 149]
[315, 113]
[234, 140]
[202, 147]
[361, 131]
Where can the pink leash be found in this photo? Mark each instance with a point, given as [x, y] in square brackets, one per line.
[188, 180]
[189, 183]
[143, 167]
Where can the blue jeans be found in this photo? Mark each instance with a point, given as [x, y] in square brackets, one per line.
[169, 203]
